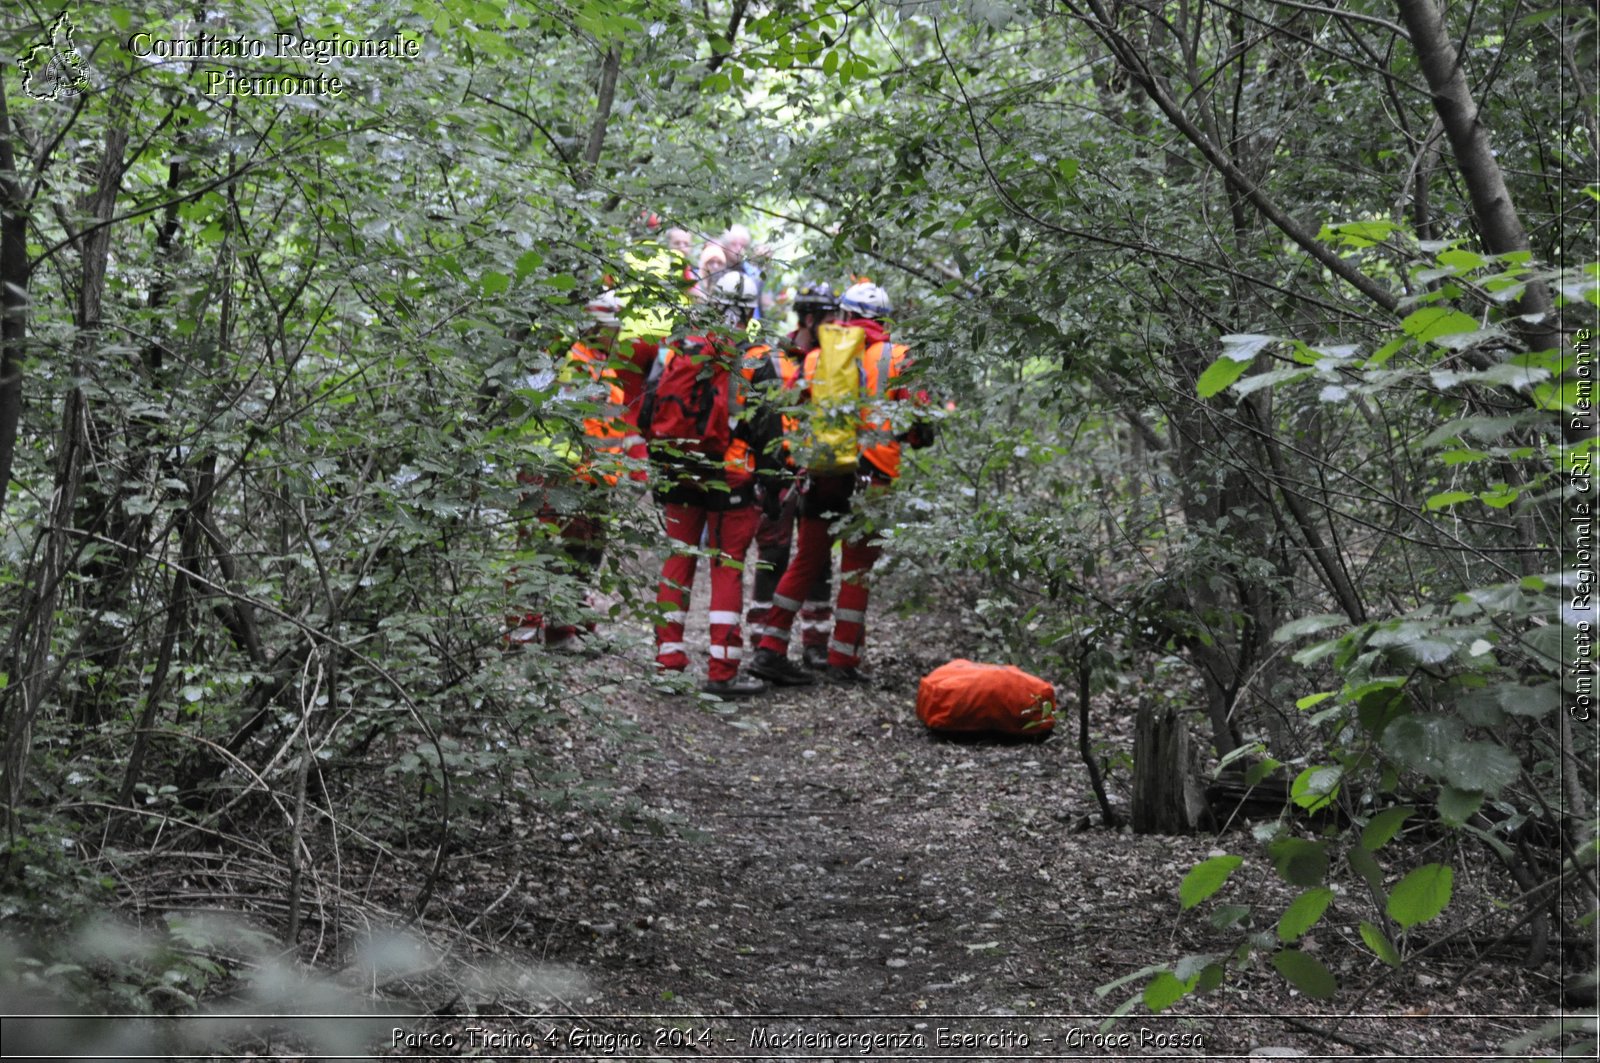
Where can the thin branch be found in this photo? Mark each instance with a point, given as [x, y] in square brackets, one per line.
[1103, 27]
[602, 116]
[1351, 16]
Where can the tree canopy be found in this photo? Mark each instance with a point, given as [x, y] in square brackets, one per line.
[1265, 328]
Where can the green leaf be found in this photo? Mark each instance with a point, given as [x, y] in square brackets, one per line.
[1485, 766]
[1244, 346]
[1164, 990]
[1419, 742]
[1358, 234]
[1255, 382]
[1421, 895]
[1448, 498]
[1227, 915]
[1303, 913]
[1299, 862]
[1365, 866]
[1119, 1012]
[1481, 708]
[1559, 395]
[1464, 261]
[1501, 497]
[494, 283]
[1379, 944]
[1386, 352]
[1428, 651]
[527, 262]
[1206, 878]
[1487, 429]
[1316, 651]
[1260, 770]
[1222, 372]
[1432, 322]
[1305, 973]
[1316, 787]
[1313, 699]
[1384, 826]
[1458, 806]
[1532, 702]
[1105, 990]
[1308, 625]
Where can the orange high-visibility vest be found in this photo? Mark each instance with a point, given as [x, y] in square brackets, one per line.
[607, 434]
[791, 375]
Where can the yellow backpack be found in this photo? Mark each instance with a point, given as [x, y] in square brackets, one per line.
[831, 445]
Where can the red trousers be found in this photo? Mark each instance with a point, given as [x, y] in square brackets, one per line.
[812, 550]
[728, 533]
[773, 545]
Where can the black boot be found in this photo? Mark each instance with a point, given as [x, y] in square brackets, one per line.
[777, 668]
[740, 686]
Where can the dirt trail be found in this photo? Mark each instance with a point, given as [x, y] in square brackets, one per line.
[825, 856]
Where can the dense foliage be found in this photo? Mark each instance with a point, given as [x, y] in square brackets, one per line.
[1260, 404]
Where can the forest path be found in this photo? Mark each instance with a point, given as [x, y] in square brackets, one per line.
[816, 852]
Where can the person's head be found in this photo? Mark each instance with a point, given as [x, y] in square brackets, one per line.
[713, 259]
[735, 242]
[865, 299]
[605, 319]
[734, 295]
[815, 304]
[680, 240]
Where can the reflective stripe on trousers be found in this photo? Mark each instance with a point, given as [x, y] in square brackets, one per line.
[812, 547]
[729, 533]
[849, 619]
[816, 621]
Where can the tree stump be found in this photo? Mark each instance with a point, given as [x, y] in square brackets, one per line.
[1166, 798]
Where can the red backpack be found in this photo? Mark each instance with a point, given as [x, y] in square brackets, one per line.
[689, 405]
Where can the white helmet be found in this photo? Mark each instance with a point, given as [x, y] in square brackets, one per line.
[735, 288]
[604, 307]
[866, 300]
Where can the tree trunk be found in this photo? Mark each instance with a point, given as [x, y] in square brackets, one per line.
[14, 276]
[1498, 223]
[1166, 799]
[32, 641]
[602, 116]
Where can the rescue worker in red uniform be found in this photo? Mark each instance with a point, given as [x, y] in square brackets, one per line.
[813, 305]
[704, 494]
[654, 293]
[825, 499]
[575, 510]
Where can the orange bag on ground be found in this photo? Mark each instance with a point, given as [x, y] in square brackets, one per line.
[966, 697]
